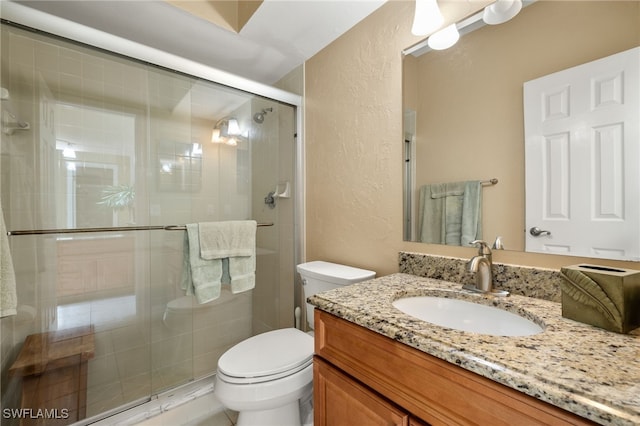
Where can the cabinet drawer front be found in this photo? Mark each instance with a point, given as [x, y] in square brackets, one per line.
[341, 401]
[432, 389]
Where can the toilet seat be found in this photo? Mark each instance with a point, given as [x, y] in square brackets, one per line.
[267, 356]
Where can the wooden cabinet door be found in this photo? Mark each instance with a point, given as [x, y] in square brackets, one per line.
[341, 401]
[429, 388]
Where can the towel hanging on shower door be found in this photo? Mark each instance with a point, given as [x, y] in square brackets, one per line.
[235, 242]
[8, 293]
[200, 277]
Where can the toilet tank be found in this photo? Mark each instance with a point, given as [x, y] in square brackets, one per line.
[319, 276]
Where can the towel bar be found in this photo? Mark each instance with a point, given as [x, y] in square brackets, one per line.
[112, 229]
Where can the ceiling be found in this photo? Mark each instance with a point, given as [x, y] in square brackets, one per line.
[278, 37]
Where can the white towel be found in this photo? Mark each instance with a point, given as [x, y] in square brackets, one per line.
[200, 277]
[8, 295]
[236, 241]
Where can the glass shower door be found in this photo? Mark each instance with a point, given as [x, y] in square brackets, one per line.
[117, 151]
[79, 345]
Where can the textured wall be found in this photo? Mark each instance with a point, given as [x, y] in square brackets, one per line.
[353, 131]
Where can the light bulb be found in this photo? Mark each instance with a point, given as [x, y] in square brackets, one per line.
[501, 11]
[233, 128]
[427, 18]
[445, 38]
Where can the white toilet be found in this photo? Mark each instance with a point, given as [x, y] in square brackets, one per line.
[264, 377]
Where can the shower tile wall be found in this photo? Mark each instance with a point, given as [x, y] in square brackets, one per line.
[139, 119]
[275, 149]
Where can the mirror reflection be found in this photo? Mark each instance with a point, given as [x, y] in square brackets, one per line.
[464, 107]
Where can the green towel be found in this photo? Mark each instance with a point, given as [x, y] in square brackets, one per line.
[235, 242]
[450, 213]
[471, 226]
[200, 277]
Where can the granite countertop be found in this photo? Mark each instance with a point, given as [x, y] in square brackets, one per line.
[583, 369]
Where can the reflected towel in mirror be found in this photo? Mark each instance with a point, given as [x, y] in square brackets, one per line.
[450, 213]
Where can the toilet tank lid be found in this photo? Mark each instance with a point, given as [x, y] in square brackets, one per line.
[333, 272]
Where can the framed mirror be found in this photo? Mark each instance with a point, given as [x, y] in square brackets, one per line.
[464, 107]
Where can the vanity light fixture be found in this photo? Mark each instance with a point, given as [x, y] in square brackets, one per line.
[226, 131]
[501, 11]
[496, 13]
[427, 17]
[233, 129]
[445, 38]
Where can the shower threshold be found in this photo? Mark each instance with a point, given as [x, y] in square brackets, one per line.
[158, 405]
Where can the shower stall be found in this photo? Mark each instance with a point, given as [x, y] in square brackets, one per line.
[104, 159]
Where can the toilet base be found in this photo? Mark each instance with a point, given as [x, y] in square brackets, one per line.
[286, 415]
[288, 410]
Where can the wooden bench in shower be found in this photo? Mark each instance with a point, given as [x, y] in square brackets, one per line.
[53, 368]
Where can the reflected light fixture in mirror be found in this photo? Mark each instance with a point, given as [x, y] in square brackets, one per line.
[501, 11]
[445, 38]
[427, 17]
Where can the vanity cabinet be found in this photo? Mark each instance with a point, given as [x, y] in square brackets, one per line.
[362, 377]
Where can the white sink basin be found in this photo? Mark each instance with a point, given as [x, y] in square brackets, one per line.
[467, 316]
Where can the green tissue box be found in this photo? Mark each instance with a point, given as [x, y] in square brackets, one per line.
[605, 297]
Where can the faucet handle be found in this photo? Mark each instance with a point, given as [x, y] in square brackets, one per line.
[483, 249]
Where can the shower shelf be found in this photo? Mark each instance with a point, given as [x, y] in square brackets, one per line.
[111, 229]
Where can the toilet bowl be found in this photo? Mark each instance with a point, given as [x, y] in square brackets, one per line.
[265, 376]
[268, 376]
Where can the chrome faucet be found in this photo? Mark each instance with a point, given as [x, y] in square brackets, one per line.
[482, 266]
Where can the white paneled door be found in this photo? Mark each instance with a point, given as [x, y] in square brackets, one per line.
[583, 159]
